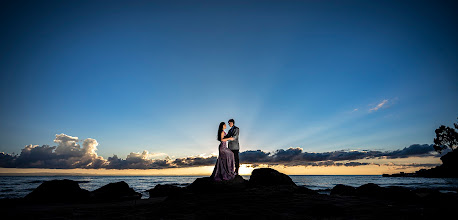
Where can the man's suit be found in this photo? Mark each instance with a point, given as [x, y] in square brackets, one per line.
[234, 145]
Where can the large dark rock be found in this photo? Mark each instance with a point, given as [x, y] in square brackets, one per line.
[115, 191]
[369, 189]
[304, 190]
[343, 190]
[450, 160]
[269, 177]
[166, 190]
[208, 185]
[399, 193]
[427, 194]
[58, 191]
[374, 190]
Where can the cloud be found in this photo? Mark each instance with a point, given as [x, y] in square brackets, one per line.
[195, 161]
[137, 161]
[416, 150]
[296, 156]
[67, 154]
[7, 160]
[70, 154]
[332, 163]
[256, 156]
[380, 105]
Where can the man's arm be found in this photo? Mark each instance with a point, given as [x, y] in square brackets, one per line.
[228, 135]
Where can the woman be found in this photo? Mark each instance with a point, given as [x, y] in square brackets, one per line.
[225, 164]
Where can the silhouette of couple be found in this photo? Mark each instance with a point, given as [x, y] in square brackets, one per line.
[227, 164]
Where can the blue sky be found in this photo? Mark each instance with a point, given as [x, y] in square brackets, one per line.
[161, 75]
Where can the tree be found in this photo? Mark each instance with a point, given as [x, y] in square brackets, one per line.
[446, 137]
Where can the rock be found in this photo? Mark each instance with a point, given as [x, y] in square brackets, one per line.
[305, 190]
[426, 193]
[269, 177]
[343, 190]
[448, 169]
[115, 191]
[208, 185]
[238, 181]
[58, 191]
[369, 189]
[165, 190]
[398, 193]
[450, 160]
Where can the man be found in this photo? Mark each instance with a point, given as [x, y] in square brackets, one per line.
[234, 145]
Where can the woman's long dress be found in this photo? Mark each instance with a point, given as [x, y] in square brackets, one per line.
[225, 164]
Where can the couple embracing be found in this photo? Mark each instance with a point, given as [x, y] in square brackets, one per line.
[227, 164]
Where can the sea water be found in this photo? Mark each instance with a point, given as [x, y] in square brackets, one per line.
[19, 186]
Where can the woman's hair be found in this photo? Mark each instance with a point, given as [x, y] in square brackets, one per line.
[220, 129]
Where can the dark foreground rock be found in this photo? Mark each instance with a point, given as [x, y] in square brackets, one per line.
[115, 191]
[69, 191]
[264, 179]
[207, 185]
[269, 177]
[161, 190]
[58, 191]
[392, 193]
[344, 190]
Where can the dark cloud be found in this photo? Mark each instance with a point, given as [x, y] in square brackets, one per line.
[7, 160]
[136, 161]
[332, 163]
[69, 154]
[296, 156]
[194, 161]
[354, 164]
[411, 151]
[255, 156]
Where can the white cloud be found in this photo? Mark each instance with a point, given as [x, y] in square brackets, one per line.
[380, 105]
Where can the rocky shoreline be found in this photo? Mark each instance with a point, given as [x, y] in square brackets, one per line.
[267, 195]
[448, 169]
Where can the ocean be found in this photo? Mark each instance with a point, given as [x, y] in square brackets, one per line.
[19, 186]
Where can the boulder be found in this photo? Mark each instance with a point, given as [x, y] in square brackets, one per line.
[369, 189]
[269, 177]
[305, 190]
[427, 194]
[115, 191]
[398, 193]
[450, 160]
[58, 191]
[165, 190]
[208, 185]
[373, 190]
[343, 190]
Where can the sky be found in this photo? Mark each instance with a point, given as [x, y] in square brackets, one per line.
[153, 79]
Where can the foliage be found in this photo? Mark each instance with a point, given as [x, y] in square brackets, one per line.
[446, 137]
